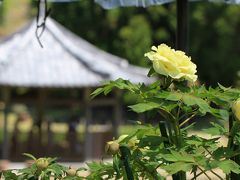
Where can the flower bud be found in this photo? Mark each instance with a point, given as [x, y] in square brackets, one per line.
[42, 163]
[71, 171]
[112, 147]
[132, 143]
[236, 108]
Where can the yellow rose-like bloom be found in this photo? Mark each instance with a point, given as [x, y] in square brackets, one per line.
[168, 62]
[236, 109]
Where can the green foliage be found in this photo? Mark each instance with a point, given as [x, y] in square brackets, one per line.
[125, 32]
[53, 170]
[223, 29]
[171, 149]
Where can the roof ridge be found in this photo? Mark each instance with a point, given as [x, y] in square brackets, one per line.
[115, 59]
[86, 64]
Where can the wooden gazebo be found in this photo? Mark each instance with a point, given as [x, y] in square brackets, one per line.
[65, 62]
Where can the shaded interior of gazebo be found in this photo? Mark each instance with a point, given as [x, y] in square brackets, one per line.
[43, 102]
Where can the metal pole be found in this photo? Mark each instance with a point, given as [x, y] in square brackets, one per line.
[182, 25]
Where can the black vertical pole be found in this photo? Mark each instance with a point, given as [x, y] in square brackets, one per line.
[182, 44]
[182, 25]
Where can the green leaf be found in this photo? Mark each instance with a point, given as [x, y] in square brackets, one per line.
[116, 166]
[178, 166]
[215, 130]
[190, 100]
[171, 96]
[30, 156]
[220, 113]
[151, 72]
[219, 153]
[10, 175]
[228, 165]
[143, 107]
[97, 92]
[223, 88]
[56, 169]
[178, 156]
[151, 141]
[174, 96]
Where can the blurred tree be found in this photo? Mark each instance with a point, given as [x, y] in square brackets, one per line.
[215, 42]
[13, 14]
[126, 32]
[136, 38]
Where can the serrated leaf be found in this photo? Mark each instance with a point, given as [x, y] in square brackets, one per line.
[151, 141]
[228, 165]
[174, 96]
[56, 169]
[96, 92]
[29, 155]
[171, 96]
[177, 166]
[10, 175]
[190, 100]
[143, 107]
[116, 166]
[223, 88]
[216, 130]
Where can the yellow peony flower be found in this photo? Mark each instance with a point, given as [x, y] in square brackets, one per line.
[236, 109]
[169, 62]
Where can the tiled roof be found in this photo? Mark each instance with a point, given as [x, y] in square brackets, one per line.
[65, 61]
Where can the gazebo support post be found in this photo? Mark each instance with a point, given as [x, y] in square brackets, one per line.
[6, 93]
[40, 113]
[88, 118]
[182, 25]
[117, 113]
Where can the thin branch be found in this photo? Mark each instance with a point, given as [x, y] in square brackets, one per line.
[195, 176]
[41, 25]
[216, 175]
[194, 111]
[204, 172]
[188, 119]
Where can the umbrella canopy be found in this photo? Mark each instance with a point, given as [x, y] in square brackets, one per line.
[108, 4]
[65, 61]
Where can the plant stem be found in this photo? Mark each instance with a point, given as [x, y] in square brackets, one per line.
[177, 134]
[233, 128]
[186, 120]
[204, 172]
[125, 155]
[216, 175]
[163, 132]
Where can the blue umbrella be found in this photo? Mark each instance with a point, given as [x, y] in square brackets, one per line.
[109, 4]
